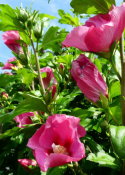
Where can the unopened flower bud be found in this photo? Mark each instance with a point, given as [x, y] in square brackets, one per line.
[23, 15]
[104, 125]
[38, 29]
[51, 95]
[4, 96]
[30, 22]
[23, 59]
[61, 69]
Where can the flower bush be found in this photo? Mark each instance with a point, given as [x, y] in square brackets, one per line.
[68, 102]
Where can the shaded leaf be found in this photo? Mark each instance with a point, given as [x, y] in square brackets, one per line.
[51, 38]
[88, 124]
[5, 79]
[26, 75]
[118, 140]
[104, 160]
[60, 170]
[28, 105]
[115, 108]
[115, 89]
[91, 6]
[92, 144]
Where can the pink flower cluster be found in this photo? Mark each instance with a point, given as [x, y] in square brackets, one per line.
[57, 141]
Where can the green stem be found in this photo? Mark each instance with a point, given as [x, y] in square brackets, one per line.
[115, 69]
[32, 84]
[38, 66]
[122, 86]
[110, 113]
[110, 137]
[123, 79]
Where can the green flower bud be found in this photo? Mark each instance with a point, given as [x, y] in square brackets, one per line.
[38, 29]
[23, 59]
[104, 125]
[23, 15]
[30, 22]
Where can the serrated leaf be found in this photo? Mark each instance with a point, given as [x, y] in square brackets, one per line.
[15, 131]
[60, 170]
[88, 124]
[115, 108]
[118, 140]
[42, 15]
[115, 89]
[51, 38]
[25, 38]
[9, 20]
[66, 59]
[68, 19]
[26, 75]
[104, 160]
[30, 104]
[5, 79]
[91, 6]
[82, 113]
[92, 144]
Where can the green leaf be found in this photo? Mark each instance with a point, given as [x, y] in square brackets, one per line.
[16, 131]
[115, 89]
[1, 64]
[42, 15]
[26, 75]
[118, 140]
[104, 160]
[9, 132]
[91, 6]
[88, 124]
[45, 58]
[66, 59]
[25, 38]
[60, 170]
[51, 38]
[5, 79]
[30, 104]
[92, 144]
[9, 20]
[68, 19]
[115, 108]
[83, 113]
[117, 60]
[98, 64]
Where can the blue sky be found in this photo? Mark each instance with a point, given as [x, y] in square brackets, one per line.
[43, 7]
